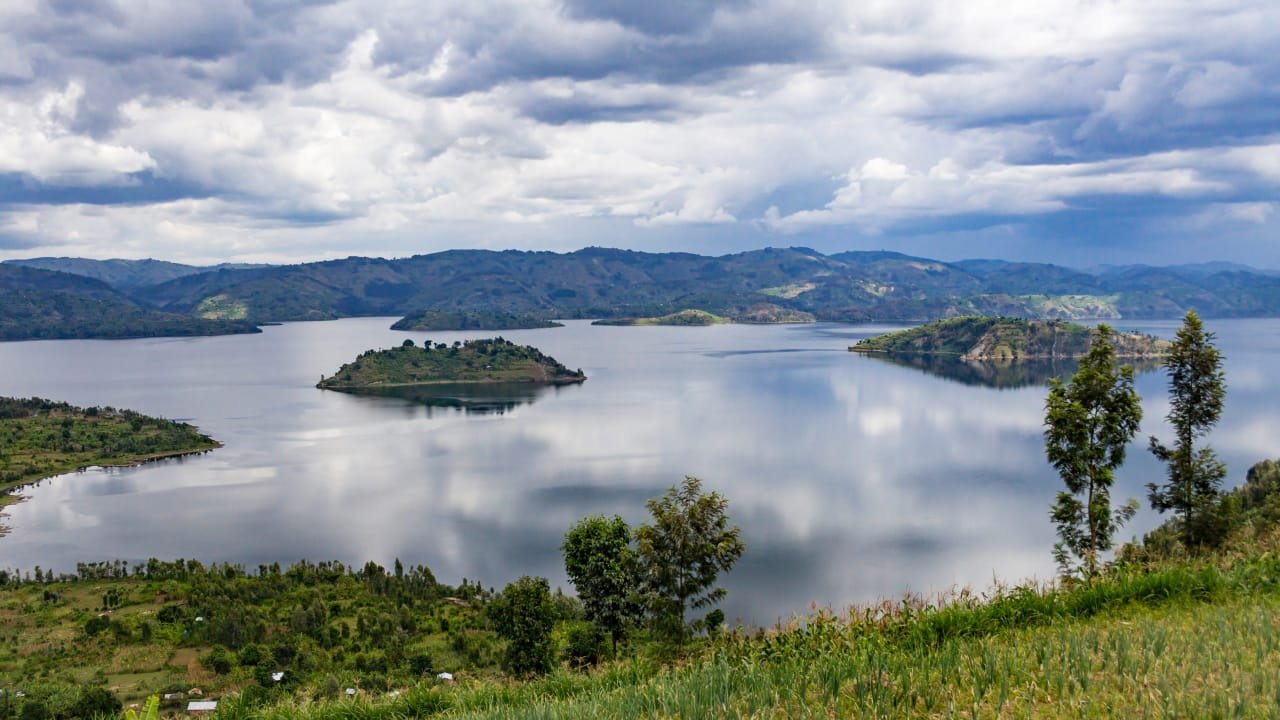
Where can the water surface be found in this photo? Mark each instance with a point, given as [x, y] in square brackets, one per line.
[852, 478]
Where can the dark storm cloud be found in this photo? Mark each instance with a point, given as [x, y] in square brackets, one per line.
[143, 187]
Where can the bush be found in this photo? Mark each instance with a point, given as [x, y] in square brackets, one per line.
[218, 660]
[96, 625]
[584, 644]
[96, 702]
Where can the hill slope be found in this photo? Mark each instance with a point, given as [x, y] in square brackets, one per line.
[43, 305]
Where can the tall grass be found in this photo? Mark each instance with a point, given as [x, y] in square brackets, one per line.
[1179, 641]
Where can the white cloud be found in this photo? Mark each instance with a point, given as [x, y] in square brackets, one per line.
[35, 140]
[387, 123]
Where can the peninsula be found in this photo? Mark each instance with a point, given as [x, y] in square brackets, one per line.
[977, 338]
[477, 361]
[41, 438]
[683, 317]
[471, 320]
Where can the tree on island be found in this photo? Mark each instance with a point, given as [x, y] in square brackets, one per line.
[682, 552]
[1089, 421]
[602, 567]
[1197, 389]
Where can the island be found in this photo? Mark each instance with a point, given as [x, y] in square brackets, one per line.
[493, 360]
[1003, 339]
[471, 320]
[683, 317]
[41, 438]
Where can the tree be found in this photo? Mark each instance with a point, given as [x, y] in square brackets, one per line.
[95, 702]
[524, 615]
[1088, 424]
[602, 567]
[681, 554]
[1197, 388]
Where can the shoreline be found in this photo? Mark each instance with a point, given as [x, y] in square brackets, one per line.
[9, 493]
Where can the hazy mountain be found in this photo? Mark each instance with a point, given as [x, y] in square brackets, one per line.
[125, 274]
[602, 282]
[772, 282]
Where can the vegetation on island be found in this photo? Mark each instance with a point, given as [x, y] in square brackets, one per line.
[1005, 339]
[433, 319]
[682, 317]
[475, 361]
[41, 438]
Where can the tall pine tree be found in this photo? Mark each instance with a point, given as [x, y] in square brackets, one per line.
[1197, 390]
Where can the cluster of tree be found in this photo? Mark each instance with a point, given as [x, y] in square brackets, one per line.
[657, 573]
[1091, 419]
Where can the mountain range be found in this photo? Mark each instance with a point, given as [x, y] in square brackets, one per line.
[610, 283]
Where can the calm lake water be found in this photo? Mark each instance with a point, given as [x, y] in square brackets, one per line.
[852, 478]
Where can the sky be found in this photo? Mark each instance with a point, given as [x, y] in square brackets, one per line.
[1078, 132]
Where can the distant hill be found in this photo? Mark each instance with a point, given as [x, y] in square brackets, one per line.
[768, 285]
[1003, 339]
[476, 361]
[471, 320]
[45, 305]
[125, 274]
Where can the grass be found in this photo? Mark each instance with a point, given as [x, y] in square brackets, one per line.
[1194, 640]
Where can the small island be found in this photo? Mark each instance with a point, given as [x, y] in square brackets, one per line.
[476, 361]
[976, 338]
[41, 438]
[471, 320]
[681, 318]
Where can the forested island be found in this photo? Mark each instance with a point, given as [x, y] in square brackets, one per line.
[431, 319]
[476, 361]
[42, 438]
[975, 338]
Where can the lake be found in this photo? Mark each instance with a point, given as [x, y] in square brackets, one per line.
[852, 478]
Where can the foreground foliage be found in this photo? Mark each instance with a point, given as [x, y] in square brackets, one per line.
[1088, 424]
[1197, 390]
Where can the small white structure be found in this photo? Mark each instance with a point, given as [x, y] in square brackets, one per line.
[351, 692]
[197, 706]
[277, 676]
[447, 677]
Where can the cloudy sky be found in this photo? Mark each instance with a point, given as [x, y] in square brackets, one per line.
[281, 130]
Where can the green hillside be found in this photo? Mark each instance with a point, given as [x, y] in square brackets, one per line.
[475, 361]
[991, 338]
[41, 305]
[471, 320]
